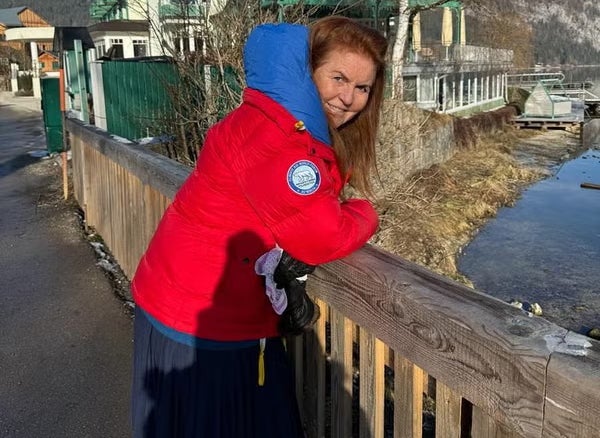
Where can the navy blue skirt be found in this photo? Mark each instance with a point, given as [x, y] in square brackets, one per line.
[181, 391]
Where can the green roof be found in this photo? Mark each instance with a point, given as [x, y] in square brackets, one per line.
[449, 4]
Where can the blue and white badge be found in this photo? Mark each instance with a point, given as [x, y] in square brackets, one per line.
[303, 177]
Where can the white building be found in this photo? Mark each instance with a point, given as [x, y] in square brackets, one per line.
[125, 38]
[147, 27]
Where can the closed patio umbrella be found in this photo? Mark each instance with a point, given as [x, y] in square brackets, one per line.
[416, 32]
[463, 28]
[447, 27]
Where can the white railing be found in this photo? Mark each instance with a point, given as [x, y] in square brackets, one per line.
[430, 52]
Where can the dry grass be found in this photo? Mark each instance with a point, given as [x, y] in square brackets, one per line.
[429, 217]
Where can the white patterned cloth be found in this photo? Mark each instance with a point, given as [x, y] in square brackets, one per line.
[266, 265]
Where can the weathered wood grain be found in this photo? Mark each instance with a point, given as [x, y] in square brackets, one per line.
[372, 386]
[483, 426]
[314, 390]
[408, 399]
[151, 168]
[314, 401]
[573, 391]
[506, 363]
[341, 375]
[123, 190]
[447, 412]
[490, 352]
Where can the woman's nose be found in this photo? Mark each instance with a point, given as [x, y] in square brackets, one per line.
[347, 95]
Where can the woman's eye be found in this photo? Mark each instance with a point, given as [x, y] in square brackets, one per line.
[364, 89]
[338, 78]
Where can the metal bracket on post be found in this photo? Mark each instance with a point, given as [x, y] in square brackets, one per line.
[81, 75]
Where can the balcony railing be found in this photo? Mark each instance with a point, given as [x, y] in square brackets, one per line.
[427, 3]
[181, 10]
[435, 52]
[99, 9]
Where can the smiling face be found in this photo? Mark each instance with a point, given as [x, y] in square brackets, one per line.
[344, 80]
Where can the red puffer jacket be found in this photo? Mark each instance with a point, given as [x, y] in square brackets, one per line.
[261, 180]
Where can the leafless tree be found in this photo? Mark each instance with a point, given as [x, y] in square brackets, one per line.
[405, 12]
[210, 77]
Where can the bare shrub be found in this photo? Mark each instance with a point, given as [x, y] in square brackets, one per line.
[211, 79]
[428, 215]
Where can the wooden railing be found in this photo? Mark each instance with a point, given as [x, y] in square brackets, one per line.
[398, 351]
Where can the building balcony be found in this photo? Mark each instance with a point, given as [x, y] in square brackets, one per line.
[30, 34]
[100, 9]
[426, 3]
[181, 10]
[436, 53]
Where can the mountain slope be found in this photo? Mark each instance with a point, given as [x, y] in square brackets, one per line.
[564, 31]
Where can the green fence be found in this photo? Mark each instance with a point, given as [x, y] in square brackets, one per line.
[52, 114]
[139, 95]
[136, 96]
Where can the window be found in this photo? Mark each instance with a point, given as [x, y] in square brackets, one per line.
[42, 65]
[140, 48]
[100, 49]
[116, 48]
[410, 88]
[55, 65]
[198, 42]
[181, 42]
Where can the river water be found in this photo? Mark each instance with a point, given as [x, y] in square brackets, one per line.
[546, 248]
[580, 74]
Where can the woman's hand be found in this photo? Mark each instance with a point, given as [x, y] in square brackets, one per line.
[301, 311]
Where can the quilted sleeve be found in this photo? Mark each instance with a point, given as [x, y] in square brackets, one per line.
[295, 196]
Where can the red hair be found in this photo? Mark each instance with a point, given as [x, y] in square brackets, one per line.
[353, 142]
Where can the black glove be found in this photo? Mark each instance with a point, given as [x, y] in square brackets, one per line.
[290, 269]
[301, 311]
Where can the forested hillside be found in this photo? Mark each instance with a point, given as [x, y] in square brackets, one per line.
[563, 31]
[56, 12]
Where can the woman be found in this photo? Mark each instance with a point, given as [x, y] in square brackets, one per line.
[208, 360]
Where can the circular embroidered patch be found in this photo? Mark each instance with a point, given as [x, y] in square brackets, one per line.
[303, 177]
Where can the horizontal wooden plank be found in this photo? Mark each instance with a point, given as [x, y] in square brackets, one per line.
[151, 168]
[488, 351]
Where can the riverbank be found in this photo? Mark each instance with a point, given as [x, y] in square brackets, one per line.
[435, 213]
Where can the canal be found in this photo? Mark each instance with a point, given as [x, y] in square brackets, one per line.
[546, 248]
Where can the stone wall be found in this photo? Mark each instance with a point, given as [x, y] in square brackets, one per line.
[410, 139]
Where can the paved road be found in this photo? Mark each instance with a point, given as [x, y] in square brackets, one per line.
[65, 339]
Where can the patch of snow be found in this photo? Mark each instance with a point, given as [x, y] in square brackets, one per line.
[155, 140]
[107, 266]
[39, 153]
[121, 139]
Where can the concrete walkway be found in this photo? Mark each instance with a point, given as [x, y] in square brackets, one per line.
[65, 339]
[30, 103]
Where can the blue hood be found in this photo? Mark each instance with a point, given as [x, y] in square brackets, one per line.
[276, 63]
